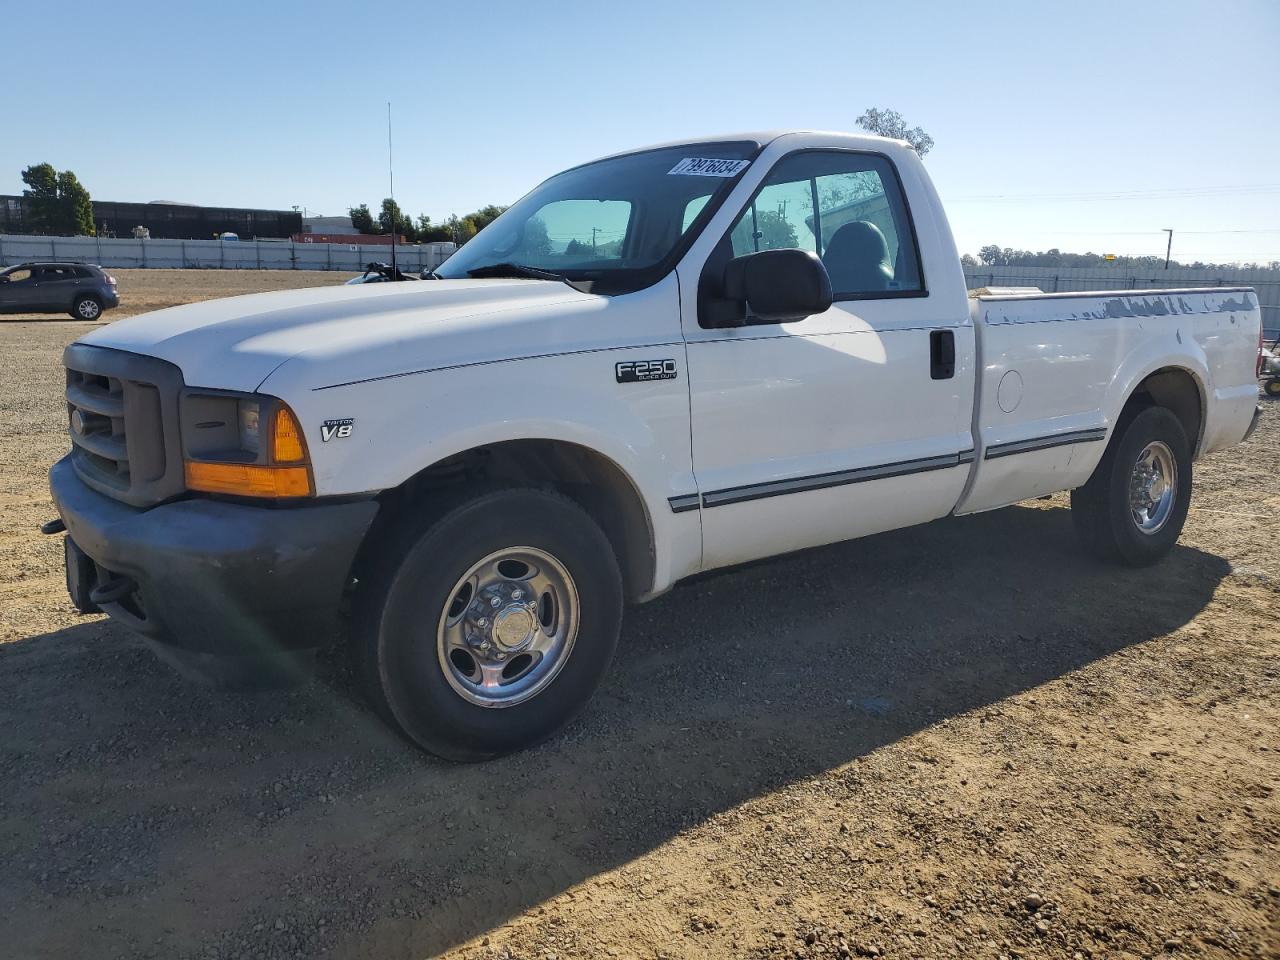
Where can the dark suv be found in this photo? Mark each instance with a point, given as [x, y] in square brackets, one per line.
[80, 289]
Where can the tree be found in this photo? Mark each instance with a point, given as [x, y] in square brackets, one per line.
[993, 256]
[485, 216]
[59, 203]
[362, 219]
[42, 195]
[773, 232]
[429, 232]
[390, 216]
[76, 207]
[968, 260]
[536, 240]
[889, 123]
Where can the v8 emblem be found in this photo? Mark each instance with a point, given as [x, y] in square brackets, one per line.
[339, 429]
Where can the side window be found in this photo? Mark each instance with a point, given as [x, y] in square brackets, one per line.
[53, 274]
[21, 275]
[845, 207]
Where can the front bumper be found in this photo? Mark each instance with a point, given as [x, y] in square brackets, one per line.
[218, 578]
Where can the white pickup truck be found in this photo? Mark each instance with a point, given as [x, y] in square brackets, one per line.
[660, 363]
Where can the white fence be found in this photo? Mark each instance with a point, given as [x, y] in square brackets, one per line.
[216, 255]
[1054, 279]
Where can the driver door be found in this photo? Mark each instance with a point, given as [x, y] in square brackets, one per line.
[18, 295]
[845, 423]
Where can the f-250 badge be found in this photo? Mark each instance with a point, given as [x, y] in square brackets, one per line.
[339, 429]
[638, 371]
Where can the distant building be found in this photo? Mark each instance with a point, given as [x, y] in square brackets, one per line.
[331, 226]
[166, 220]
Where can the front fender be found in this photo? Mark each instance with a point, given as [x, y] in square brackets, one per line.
[401, 426]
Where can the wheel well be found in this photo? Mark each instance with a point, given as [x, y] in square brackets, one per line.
[591, 480]
[1177, 391]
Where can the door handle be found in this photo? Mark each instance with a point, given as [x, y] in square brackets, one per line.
[942, 354]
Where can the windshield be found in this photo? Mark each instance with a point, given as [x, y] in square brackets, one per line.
[609, 226]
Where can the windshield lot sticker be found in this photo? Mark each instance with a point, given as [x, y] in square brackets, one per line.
[640, 371]
[340, 429]
[704, 167]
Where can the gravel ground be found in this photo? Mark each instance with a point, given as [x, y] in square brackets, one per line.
[963, 739]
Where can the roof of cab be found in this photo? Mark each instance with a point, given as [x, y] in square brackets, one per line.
[763, 138]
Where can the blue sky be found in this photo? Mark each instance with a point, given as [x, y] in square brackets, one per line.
[1083, 127]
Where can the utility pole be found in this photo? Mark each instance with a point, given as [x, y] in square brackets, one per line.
[1169, 248]
[594, 231]
[391, 176]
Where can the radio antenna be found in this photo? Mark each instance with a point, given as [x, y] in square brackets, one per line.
[391, 176]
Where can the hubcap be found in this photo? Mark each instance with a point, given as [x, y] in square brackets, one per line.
[508, 627]
[1153, 487]
[88, 309]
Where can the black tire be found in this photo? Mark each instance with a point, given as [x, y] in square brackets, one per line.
[408, 585]
[86, 307]
[1100, 509]
[1272, 387]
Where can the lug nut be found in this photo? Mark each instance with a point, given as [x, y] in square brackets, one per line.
[516, 594]
[495, 602]
[482, 622]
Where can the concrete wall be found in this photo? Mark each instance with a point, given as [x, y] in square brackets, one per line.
[214, 254]
[1053, 279]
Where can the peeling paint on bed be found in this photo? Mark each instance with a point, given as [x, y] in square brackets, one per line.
[1057, 308]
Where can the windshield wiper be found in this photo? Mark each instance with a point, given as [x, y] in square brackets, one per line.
[513, 270]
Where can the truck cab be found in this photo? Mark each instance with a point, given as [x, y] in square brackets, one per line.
[664, 362]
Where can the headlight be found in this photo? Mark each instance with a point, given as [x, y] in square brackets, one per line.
[243, 444]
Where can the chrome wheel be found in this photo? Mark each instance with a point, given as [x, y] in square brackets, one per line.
[508, 627]
[1153, 487]
[88, 309]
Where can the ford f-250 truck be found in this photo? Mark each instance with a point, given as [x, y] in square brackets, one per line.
[660, 363]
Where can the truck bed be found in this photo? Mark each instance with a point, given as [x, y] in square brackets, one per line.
[1054, 370]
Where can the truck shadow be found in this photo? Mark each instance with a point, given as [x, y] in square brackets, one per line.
[204, 817]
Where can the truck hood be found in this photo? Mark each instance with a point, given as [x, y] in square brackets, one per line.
[346, 333]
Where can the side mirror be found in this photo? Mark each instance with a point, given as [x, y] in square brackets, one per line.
[778, 286]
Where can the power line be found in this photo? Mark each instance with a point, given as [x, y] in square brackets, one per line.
[1132, 233]
[1168, 193]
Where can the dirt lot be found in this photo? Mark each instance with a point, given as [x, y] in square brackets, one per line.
[144, 290]
[959, 740]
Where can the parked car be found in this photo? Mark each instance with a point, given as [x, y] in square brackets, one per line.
[661, 363]
[380, 273]
[83, 290]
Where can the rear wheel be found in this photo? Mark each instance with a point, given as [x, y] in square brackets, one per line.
[1133, 507]
[86, 308]
[487, 629]
[1272, 387]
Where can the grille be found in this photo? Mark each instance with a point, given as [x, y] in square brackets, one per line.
[121, 413]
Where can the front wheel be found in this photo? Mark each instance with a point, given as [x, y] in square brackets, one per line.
[1133, 507]
[487, 629]
[86, 308]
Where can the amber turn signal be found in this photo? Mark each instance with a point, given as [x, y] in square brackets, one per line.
[286, 438]
[248, 479]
